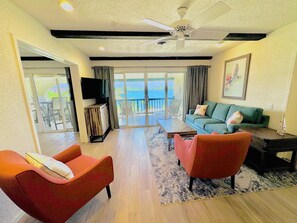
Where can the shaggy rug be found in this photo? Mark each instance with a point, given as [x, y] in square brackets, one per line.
[172, 180]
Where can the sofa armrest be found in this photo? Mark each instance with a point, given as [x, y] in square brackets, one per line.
[68, 154]
[234, 127]
[264, 120]
[191, 111]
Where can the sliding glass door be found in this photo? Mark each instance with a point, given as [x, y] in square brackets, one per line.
[157, 97]
[144, 97]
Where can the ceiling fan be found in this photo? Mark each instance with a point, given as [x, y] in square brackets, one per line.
[182, 29]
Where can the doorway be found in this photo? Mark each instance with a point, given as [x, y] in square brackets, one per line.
[144, 97]
[50, 99]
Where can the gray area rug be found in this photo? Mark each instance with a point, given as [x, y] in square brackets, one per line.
[172, 180]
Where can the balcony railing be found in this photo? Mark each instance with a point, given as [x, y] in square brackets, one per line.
[138, 105]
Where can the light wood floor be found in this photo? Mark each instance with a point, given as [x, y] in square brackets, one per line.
[135, 197]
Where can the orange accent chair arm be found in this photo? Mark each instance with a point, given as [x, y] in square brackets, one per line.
[68, 154]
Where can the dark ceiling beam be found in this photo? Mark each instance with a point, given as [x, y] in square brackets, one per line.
[84, 34]
[154, 58]
[25, 58]
[87, 34]
[245, 36]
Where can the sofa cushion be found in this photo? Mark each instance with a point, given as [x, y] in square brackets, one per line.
[250, 114]
[202, 122]
[192, 118]
[220, 112]
[219, 128]
[210, 108]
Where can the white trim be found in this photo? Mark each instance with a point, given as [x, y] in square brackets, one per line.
[26, 98]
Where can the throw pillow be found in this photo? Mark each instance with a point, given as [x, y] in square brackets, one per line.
[235, 118]
[200, 110]
[49, 165]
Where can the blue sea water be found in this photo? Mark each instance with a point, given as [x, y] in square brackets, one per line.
[151, 94]
[135, 90]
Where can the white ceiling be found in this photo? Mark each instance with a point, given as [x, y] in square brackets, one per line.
[246, 16]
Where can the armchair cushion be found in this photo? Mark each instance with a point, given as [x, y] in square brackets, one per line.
[49, 165]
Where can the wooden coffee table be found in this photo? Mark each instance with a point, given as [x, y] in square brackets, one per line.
[175, 126]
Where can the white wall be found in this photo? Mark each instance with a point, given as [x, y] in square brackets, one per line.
[16, 129]
[271, 67]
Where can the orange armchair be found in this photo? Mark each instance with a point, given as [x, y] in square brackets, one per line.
[212, 156]
[50, 199]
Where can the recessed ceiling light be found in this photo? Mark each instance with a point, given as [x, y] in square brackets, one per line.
[66, 5]
[101, 48]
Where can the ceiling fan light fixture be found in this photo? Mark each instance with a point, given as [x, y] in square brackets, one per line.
[65, 5]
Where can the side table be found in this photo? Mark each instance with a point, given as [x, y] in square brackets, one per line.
[266, 143]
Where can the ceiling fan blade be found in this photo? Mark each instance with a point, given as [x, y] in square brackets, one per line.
[156, 40]
[180, 44]
[157, 24]
[201, 34]
[210, 14]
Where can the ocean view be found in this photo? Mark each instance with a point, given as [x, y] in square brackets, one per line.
[135, 89]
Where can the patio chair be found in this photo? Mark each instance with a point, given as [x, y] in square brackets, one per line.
[173, 110]
[57, 109]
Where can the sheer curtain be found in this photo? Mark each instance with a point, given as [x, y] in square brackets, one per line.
[106, 73]
[195, 87]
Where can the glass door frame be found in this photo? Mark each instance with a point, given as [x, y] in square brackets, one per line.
[52, 72]
[166, 72]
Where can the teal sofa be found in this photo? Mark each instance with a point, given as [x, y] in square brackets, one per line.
[218, 113]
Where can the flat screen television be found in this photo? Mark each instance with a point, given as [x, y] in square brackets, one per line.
[94, 88]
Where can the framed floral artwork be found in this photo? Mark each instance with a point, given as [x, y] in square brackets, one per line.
[235, 77]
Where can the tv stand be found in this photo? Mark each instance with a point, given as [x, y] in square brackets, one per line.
[97, 121]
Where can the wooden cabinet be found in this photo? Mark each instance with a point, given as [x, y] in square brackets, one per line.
[263, 149]
[97, 121]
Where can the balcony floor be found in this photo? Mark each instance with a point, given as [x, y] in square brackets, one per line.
[140, 120]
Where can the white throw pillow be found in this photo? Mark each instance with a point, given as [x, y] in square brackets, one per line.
[200, 110]
[235, 118]
[49, 165]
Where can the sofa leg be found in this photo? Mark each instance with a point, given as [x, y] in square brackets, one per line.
[191, 183]
[178, 162]
[108, 191]
[233, 182]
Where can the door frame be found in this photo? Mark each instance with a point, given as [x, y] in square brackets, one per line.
[50, 72]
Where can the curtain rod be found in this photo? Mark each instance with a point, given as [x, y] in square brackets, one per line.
[156, 66]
